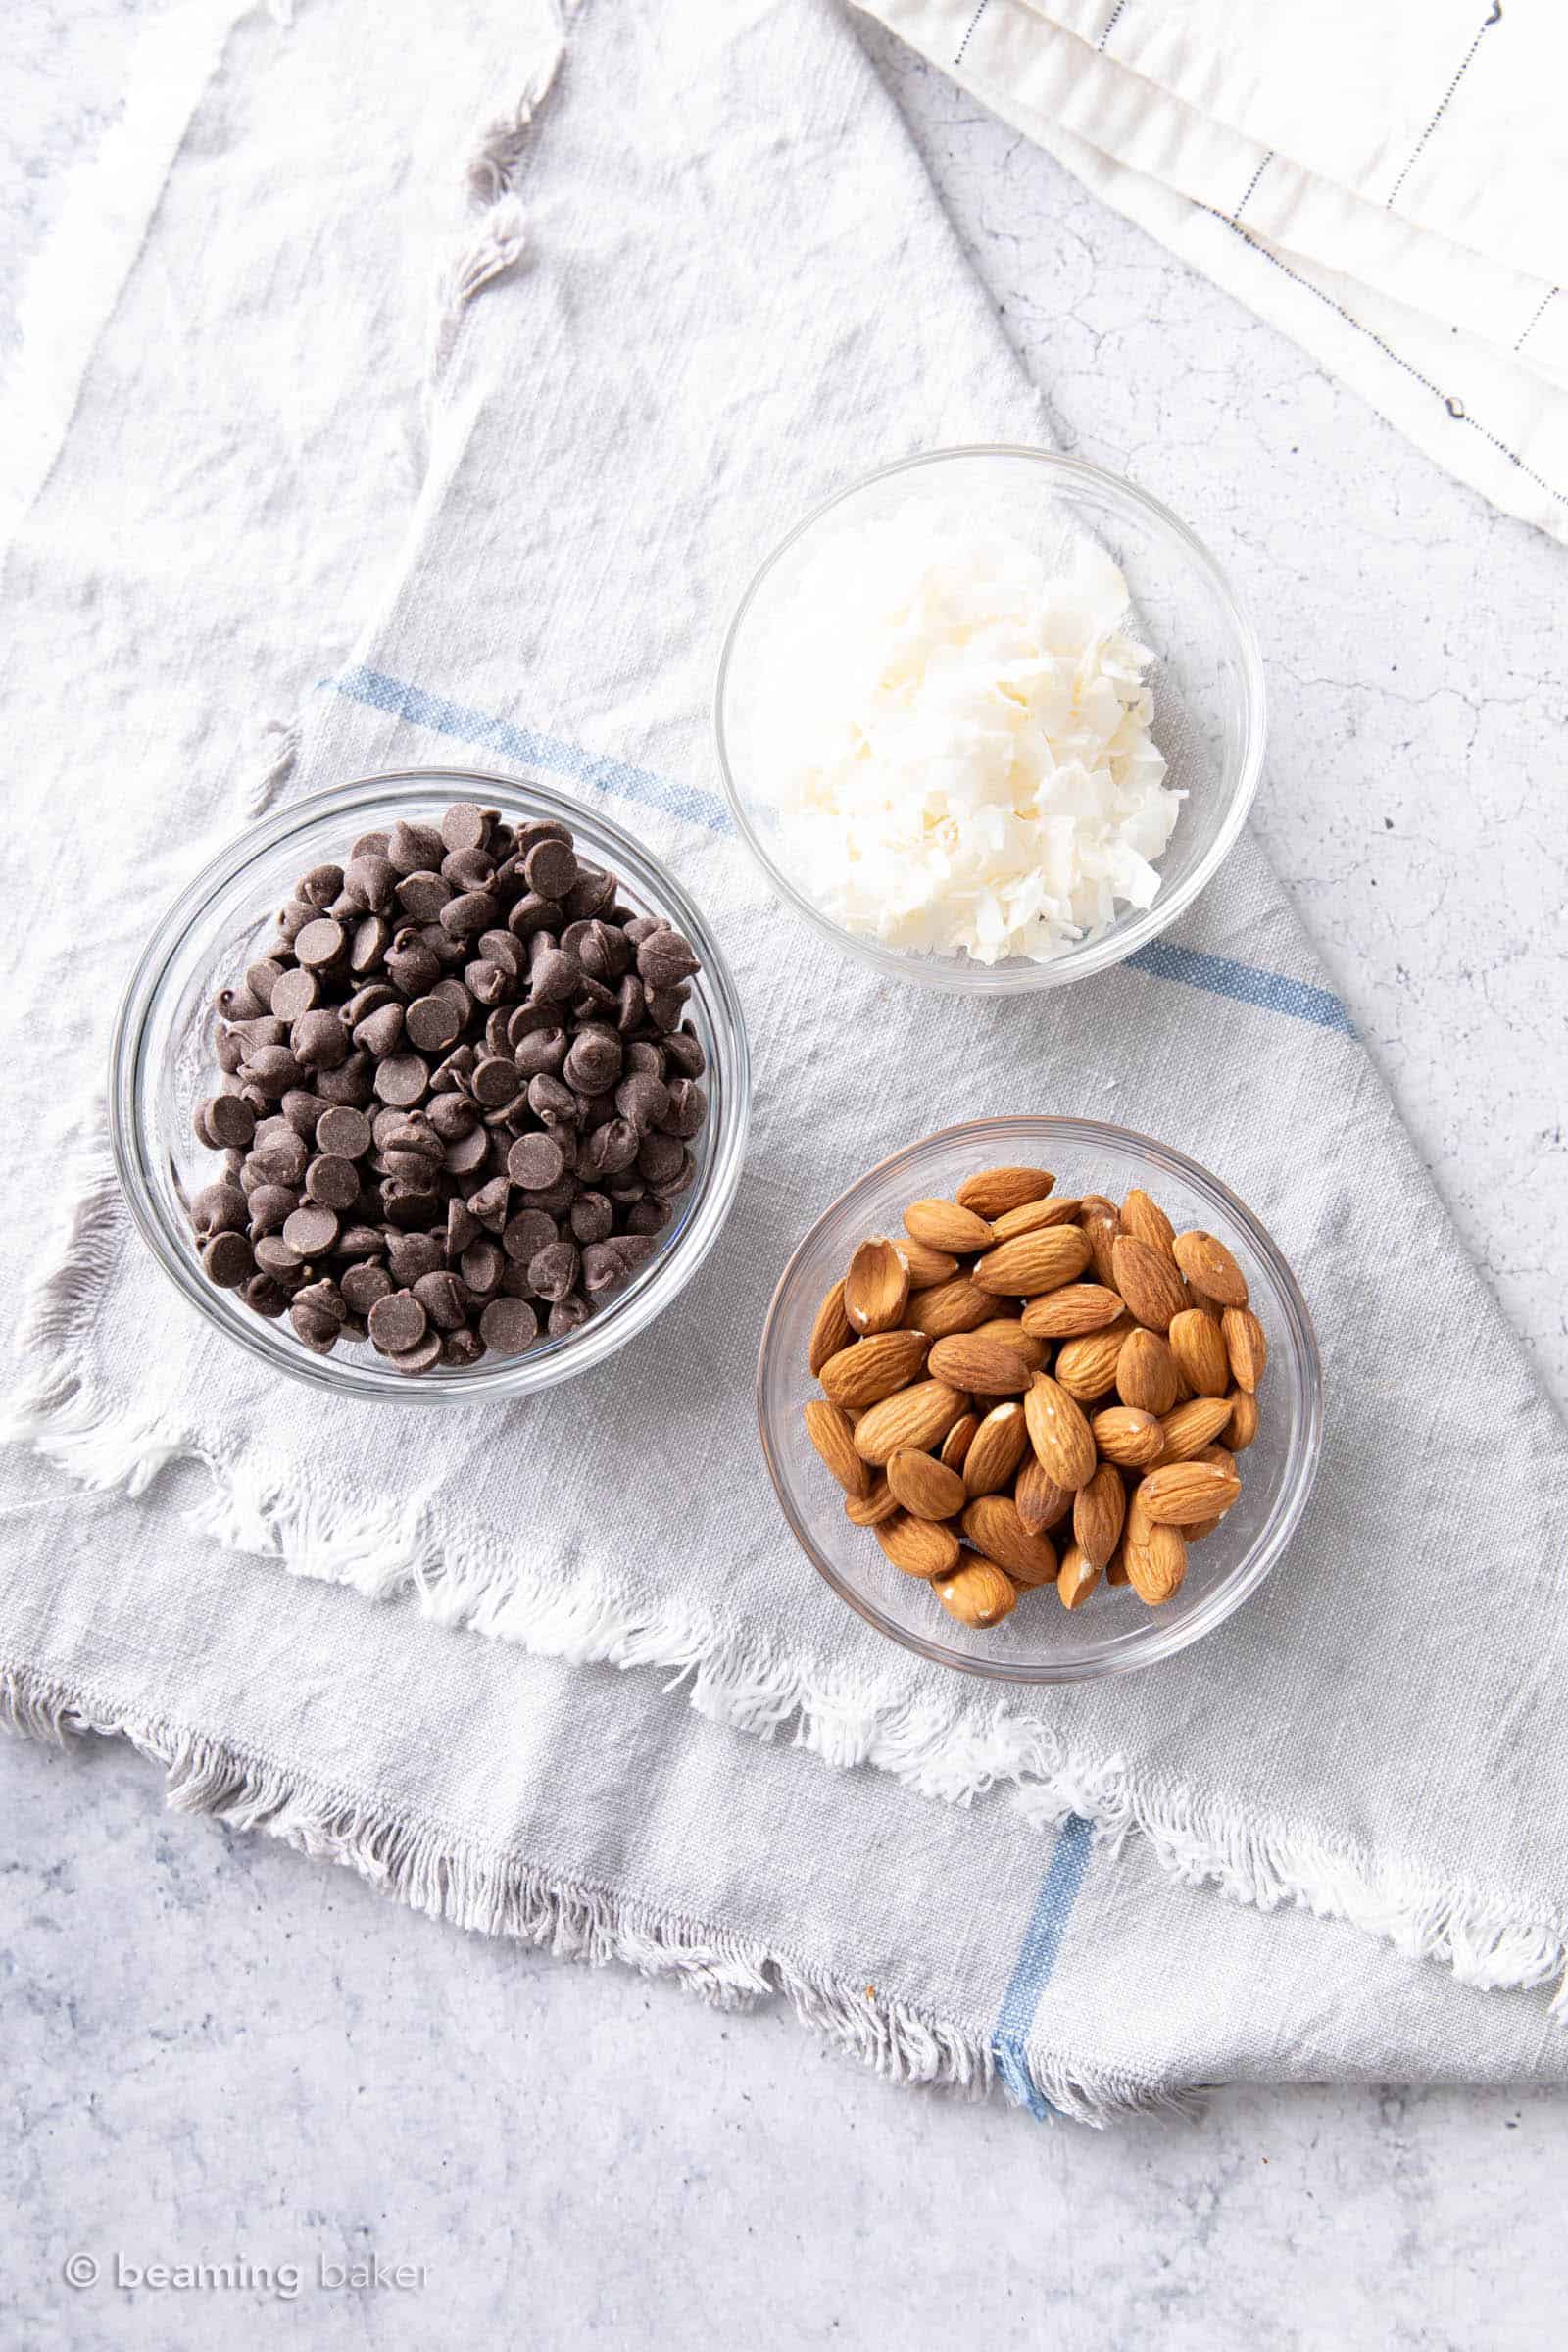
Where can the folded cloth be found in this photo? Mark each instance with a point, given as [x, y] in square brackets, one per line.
[1385, 182]
[672, 329]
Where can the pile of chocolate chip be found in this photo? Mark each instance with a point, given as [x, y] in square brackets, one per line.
[458, 1098]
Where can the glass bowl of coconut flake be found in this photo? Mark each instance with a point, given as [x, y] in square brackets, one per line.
[990, 719]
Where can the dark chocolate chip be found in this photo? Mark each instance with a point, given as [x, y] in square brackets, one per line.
[508, 1326]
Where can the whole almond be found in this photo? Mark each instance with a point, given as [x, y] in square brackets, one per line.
[1034, 1217]
[1180, 1493]
[1149, 1281]
[990, 1367]
[1076, 1579]
[1146, 1373]
[921, 1416]
[879, 1504]
[1246, 1345]
[1034, 1262]
[1192, 1426]
[978, 1594]
[994, 1191]
[1097, 1513]
[993, 1526]
[919, 1546]
[958, 1440]
[873, 1369]
[1087, 1367]
[955, 1305]
[927, 1267]
[1155, 1569]
[1009, 1328]
[1147, 1221]
[1101, 1220]
[1199, 1345]
[1207, 1526]
[1057, 1431]
[877, 1288]
[1040, 1501]
[1133, 1440]
[943, 1225]
[1067, 1313]
[926, 1489]
[996, 1449]
[1209, 1267]
[1116, 1565]
[1243, 1426]
[832, 1330]
[832, 1432]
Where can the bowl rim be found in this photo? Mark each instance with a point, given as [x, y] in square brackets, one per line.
[644, 1297]
[1124, 938]
[1161, 1642]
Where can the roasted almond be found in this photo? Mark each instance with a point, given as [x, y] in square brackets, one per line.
[996, 1449]
[988, 1367]
[873, 1369]
[832, 1432]
[1097, 1513]
[1199, 1345]
[955, 1305]
[1034, 1262]
[1246, 1345]
[877, 1288]
[832, 1330]
[1040, 1502]
[919, 1546]
[1180, 1493]
[879, 1504]
[993, 1526]
[1149, 1281]
[1155, 1568]
[1009, 1328]
[1034, 1217]
[1133, 1440]
[994, 1191]
[1058, 1433]
[1192, 1426]
[1146, 1373]
[1101, 1220]
[927, 1267]
[1147, 1221]
[1076, 1579]
[958, 1440]
[921, 1416]
[943, 1225]
[1242, 1427]
[1067, 1313]
[925, 1486]
[1087, 1367]
[977, 1593]
[1209, 1267]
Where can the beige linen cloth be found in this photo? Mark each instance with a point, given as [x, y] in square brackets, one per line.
[1386, 180]
[518, 1667]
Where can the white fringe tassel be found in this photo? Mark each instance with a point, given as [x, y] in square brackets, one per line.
[502, 1895]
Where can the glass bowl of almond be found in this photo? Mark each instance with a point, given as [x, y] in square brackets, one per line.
[1041, 1399]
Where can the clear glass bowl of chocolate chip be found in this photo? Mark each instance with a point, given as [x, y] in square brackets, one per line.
[432, 1087]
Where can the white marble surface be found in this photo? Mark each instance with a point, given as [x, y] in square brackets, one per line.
[220, 2051]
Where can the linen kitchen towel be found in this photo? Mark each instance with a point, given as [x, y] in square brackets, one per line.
[706, 284]
[1382, 180]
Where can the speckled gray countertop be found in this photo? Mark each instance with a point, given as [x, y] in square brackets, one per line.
[217, 2050]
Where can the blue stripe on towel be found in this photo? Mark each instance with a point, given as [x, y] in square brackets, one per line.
[1246, 982]
[1191, 967]
[1037, 1959]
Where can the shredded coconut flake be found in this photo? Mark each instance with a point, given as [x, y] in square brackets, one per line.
[958, 745]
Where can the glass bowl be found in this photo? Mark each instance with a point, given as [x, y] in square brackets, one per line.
[1207, 682]
[1041, 1641]
[161, 1065]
